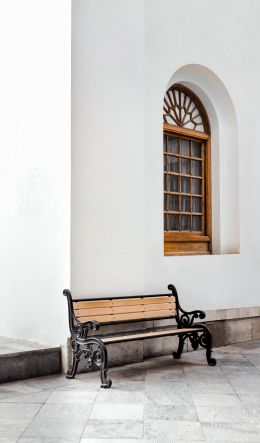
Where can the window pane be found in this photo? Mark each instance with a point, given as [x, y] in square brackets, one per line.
[196, 186]
[173, 164]
[172, 183]
[196, 149]
[185, 166]
[165, 143]
[196, 223]
[165, 201]
[173, 145]
[196, 204]
[165, 222]
[185, 223]
[165, 162]
[196, 167]
[173, 222]
[185, 204]
[173, 203]
[185, 147]
[185, 185]
[165, 182]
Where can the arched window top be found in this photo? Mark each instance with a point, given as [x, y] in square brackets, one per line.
[184, 109]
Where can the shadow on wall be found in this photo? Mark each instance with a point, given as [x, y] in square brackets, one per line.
[224, 153]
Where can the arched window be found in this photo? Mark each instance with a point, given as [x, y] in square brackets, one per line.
[187, 176]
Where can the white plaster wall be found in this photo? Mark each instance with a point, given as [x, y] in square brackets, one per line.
[123, 56]
[34, 168]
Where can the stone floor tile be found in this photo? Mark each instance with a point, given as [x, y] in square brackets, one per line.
[175, 374]
[165, 430]
[19, 410]
[211, 388]
[126, 373]
[113, 429]
[12, 427]
[72, 397]
[154, 411]
[253, 357]
[65, 411]
[128, 386]
[47, 382]
[229, 432]
[216, 400]
[55, 428]
[7, 440]
[46, 440]
[117, 411]
[112, 440]
[245, 386]
[18, 387]
[250, 399]
[116, 396]
[230, 414]
[171, 393]
[35, 397]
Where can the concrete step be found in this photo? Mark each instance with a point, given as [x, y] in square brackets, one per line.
[20, 359]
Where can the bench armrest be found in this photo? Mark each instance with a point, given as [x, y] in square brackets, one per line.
[186, 319]
[80, 329]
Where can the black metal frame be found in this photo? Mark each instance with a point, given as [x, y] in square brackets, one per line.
[94, 349]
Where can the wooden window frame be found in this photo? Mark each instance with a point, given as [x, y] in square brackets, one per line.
[191, 243]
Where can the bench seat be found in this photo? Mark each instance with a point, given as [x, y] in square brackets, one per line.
[147, 334]
[91, 314]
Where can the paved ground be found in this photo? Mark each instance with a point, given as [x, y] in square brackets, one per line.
[160, 400]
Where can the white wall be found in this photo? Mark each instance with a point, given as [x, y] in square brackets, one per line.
[34, 168]
[124, 55]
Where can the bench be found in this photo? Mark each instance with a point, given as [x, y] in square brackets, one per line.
[90, 314]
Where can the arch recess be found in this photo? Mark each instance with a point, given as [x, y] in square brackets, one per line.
[225, 157]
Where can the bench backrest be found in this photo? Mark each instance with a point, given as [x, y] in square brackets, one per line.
[117, 310]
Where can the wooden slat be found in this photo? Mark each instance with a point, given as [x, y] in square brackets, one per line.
[123, 309]
[150, 334]
[92, 304]
[130, 316]
[93, 312]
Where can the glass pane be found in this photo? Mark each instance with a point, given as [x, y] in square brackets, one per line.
[165, 201]
[196, 223]
[173, 222]
[185, 185]
[173, 164]
[185, 223]
[165, 143]
[172, 183]
[196, 149]
[165, 162]
[185, 204]
[185, 166]
[165, 222]
[196, 204]
[173, 145]
[196, 167]
[185, 147]
[196, 186]
[165, 182]
[173, 203]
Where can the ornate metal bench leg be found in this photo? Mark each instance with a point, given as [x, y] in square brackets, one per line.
[71, 373]
[177, 355]
[205, 341]
[75, 361]
[105, 382]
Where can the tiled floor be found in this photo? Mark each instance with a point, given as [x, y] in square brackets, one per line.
[159, 400]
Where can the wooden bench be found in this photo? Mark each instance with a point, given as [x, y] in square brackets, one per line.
[90, 314]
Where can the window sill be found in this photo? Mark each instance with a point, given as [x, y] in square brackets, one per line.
[186, 244]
